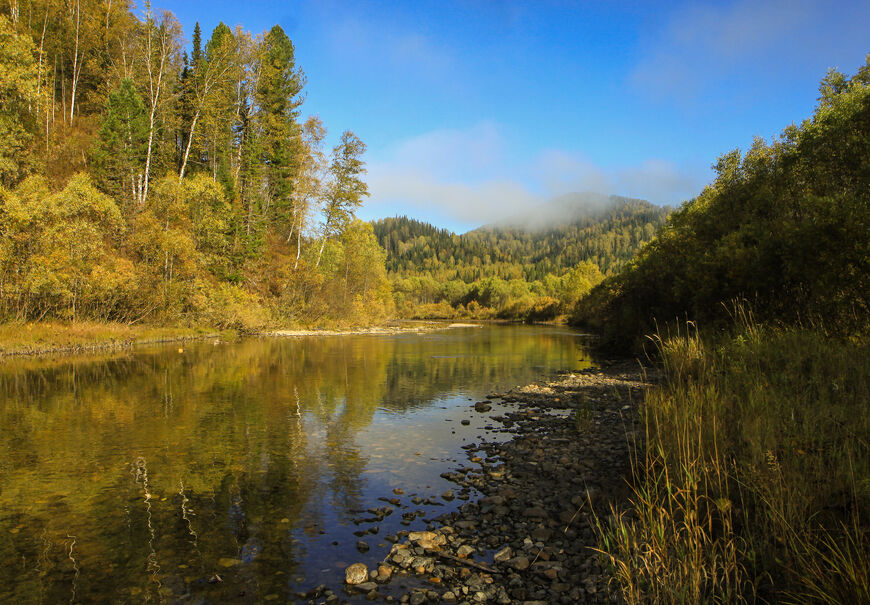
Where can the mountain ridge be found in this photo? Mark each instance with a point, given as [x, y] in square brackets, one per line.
[551, 239]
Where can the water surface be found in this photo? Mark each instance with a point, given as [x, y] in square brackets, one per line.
[145, 476]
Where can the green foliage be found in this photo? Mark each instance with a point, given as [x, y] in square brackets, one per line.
[785, 226]
[512, 272]
[119, 151]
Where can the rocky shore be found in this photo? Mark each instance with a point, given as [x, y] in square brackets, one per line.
[525, 531]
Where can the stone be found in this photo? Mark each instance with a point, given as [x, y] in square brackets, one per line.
[362, 546]
[356, 574]
[482, 406]
[427, 539]
[465, 422]
[448, 495]
[417, 598]
[535, 512]
[366, 586]
[519, 563]
[464, 551]
[384, 573]
[503, 555]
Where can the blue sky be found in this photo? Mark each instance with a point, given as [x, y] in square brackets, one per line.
[476, 109]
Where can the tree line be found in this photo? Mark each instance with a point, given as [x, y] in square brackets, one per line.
[140, 181]
[513, 272]
[785, 226]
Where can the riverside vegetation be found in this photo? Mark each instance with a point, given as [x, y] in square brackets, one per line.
[142, 184]
[754, 483]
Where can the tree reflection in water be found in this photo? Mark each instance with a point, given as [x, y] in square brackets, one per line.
[225, 471]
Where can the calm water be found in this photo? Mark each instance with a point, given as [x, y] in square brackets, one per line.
[136, 477]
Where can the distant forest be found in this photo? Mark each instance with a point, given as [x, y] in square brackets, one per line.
[505, 270]
[143, 178]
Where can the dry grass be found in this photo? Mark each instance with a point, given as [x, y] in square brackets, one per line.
[755, 481]
[19, 338]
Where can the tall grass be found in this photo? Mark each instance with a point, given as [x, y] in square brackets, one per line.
[755, 480]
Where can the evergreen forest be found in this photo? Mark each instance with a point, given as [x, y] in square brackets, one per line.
[533, 266]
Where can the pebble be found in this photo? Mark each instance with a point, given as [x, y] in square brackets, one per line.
[529, 501]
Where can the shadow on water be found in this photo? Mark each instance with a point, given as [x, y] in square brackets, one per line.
[235, 472]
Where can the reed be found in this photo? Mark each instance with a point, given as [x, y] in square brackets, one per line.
[755, 479]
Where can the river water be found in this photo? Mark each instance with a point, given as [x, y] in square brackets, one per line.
[239, 472]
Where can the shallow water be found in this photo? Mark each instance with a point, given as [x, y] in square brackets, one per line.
[141, 476]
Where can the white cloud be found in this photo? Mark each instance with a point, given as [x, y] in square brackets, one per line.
[464, 176]
[454, 173]
[560, 172]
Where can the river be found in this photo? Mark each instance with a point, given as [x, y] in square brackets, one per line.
[239, 472]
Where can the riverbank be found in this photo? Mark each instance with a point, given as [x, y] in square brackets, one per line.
[53, 338]
[399, 327]
[528, 537]
[49, 338]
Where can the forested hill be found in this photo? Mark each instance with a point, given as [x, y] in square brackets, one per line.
[552, 239]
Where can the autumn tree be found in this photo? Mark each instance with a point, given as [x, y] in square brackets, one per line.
[345, 188]
[18, 97]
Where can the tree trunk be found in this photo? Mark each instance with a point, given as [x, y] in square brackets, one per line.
[298, 247]
[77, 68]
[41, 57]
[189, 143]
[322, 244]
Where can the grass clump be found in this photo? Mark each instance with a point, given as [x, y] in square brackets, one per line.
[755, 482]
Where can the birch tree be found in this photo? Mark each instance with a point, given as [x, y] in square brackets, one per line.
[345, 188]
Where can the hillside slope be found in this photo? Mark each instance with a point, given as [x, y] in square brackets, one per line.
[529, 266]
[551, 239]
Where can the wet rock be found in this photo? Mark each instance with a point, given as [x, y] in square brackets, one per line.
[464, 551]
[362, 546]
[482, 406]
[417, 598]
[427, 539]
[465, 422]
[448, 495]
[385, 572]
[503, 555]
[520, 563]
[356, 574]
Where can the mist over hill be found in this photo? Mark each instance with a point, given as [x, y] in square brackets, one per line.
[565, 210]
[551, 239]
